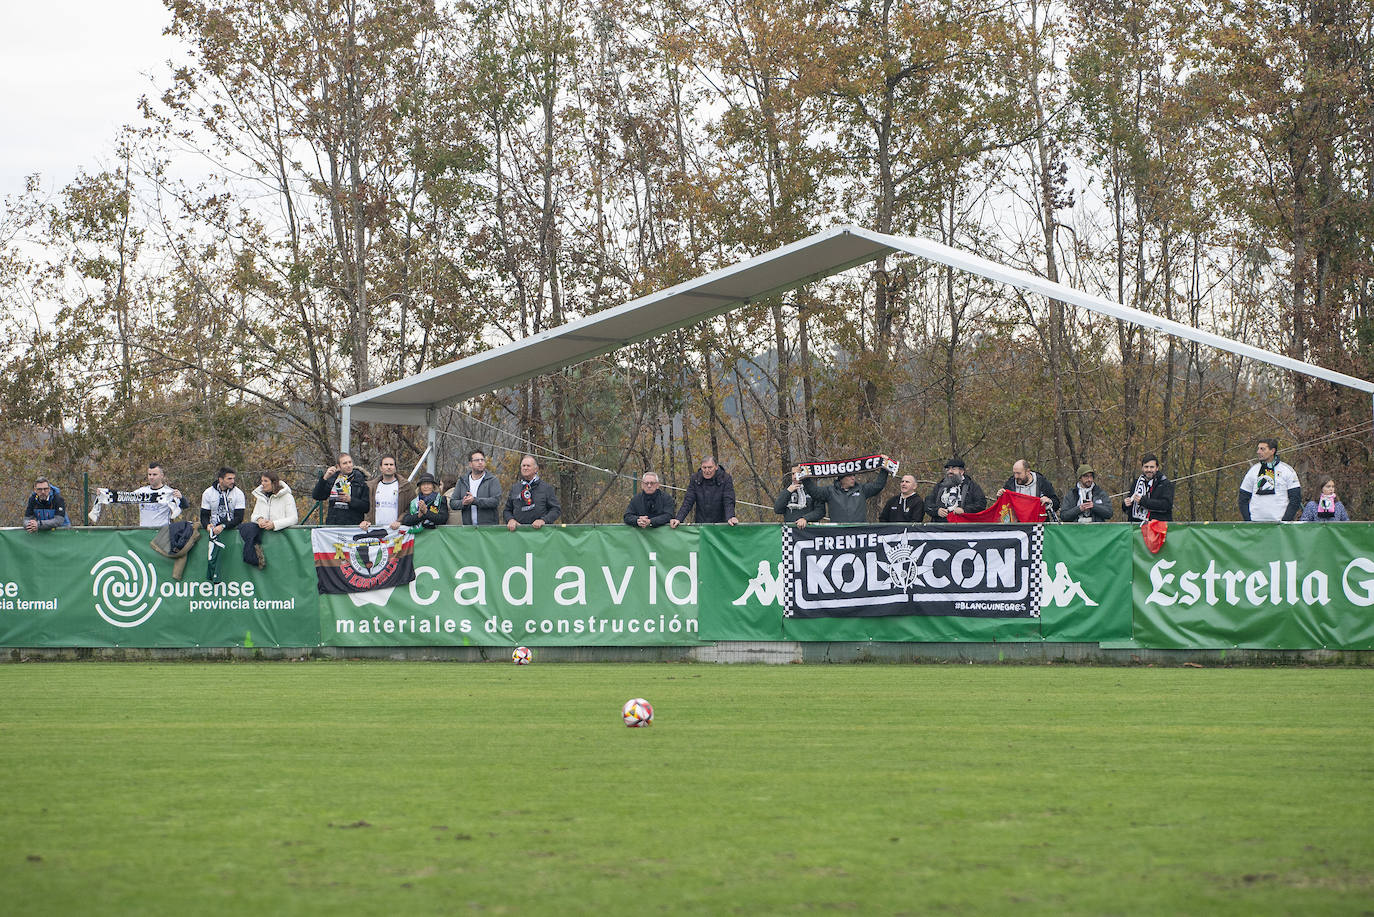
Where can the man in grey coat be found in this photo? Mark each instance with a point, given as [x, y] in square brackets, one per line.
[531, 500]
[476, 495]
[846, 499]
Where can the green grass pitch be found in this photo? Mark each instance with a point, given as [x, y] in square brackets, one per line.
[413, 788]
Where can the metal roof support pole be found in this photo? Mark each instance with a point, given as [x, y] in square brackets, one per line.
[431, 438]
[345, 426]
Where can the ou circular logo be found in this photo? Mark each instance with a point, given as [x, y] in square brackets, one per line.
[125, 589]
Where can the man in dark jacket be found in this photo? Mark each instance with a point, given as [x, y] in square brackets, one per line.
[46, 509]
[796, 504]
[651, 507]
[344, 488]
[1086, 500]
[907, 506]
[1032, 484]
[531, 500]
[846, 500]
[476, 495]
[1152, 497]
[712, 491]
[957, 493]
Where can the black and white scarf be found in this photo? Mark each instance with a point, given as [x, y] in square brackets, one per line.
[104, 497]
[1143, 486]
[223, 511]
[823, 469]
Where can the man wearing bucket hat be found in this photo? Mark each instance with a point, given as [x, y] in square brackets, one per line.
[1086, 501]
[957, 493]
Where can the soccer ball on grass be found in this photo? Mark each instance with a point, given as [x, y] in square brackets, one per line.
[637, 712]
[521, 655]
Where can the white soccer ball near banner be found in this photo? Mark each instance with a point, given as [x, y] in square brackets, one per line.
[637, 712]
[521, 655]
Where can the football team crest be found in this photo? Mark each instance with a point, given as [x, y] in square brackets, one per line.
[347, 560]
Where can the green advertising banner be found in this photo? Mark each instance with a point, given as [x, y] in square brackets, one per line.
[1086, 582]
[107, 587]
[1257, 586]
[556, 586]
[1085, 594]
[741, 586]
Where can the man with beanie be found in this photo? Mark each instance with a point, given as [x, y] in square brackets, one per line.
[957, 493]
[1086, 501]
[1270, 491]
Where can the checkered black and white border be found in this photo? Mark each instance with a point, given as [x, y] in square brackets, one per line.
[1037, 555]
[785, 571]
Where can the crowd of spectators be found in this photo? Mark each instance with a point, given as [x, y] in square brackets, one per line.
[1269, 491]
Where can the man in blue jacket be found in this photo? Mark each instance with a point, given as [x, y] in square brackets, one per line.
[46, 508]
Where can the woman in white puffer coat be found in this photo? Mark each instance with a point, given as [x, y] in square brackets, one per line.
[274, 509]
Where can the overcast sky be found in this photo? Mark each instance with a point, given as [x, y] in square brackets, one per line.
[71, 73]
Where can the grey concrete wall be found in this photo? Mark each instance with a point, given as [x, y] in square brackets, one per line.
[780, 653]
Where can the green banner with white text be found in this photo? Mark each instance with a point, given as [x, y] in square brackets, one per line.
[1257, 586]
[1260, 586]
[555, 586]
[107, 587]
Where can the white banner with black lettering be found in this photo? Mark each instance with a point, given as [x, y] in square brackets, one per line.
[866, 571]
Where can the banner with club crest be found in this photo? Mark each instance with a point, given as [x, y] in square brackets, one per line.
[352, 560]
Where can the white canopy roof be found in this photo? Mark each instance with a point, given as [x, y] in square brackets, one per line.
[413, 399]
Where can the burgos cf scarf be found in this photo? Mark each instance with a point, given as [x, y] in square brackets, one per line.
[350, 560]
[821, 469]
